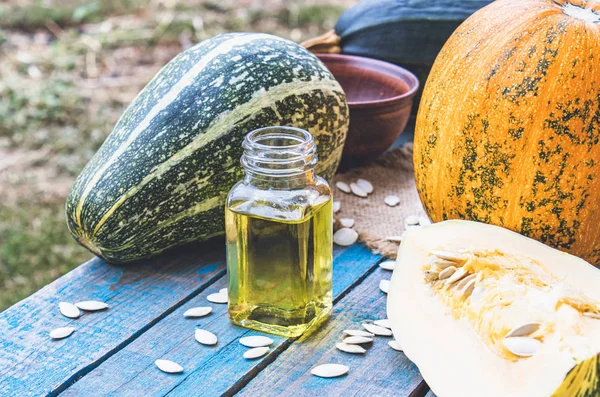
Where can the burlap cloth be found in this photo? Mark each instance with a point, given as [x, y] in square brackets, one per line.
[391, 173]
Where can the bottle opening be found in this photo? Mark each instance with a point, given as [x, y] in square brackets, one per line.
[279, 138]
[279, 151]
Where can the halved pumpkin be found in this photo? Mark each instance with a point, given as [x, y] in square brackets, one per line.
[484, 311]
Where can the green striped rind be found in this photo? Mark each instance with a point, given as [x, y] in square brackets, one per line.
[162, 175]
[583, 380]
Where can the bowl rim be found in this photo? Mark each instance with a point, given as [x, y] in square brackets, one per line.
[393, 70]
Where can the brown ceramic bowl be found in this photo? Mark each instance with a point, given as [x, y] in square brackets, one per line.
[380, 97]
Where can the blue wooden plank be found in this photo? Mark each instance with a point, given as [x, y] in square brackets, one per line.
[140, 295]
[208, 370]
[382, 371]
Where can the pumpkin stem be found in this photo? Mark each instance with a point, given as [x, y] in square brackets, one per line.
[326, 43]
[89, 245]
[576, 10]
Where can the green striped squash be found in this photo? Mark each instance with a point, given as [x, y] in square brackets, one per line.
[162, 176]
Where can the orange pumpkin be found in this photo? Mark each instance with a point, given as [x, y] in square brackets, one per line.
[508, 130]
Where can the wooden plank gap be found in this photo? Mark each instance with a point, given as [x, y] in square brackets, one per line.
[233, 341]
[241, 383]
[430, 394]
[420, 391]
[358, 281]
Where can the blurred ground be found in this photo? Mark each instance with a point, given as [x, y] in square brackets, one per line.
[67, 71]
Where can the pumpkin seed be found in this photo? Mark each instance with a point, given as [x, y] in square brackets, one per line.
[322, 199]
[357, 190]
[91, 306]
[441, 264]
[392, 200]
[411, 220]
[256, 341]
[329, 370]
[343, 186]
[223, 291]
[395, 345]
[345, 236]
[424, 221]
[336, 206]
[350, 348]
[365, 185]
[168, 366]
[357, 340]
[458, 275]
[450, 256]
[435, 268]
[387, 265]
[592, 315]
[384, 285]
[431, 275]
[69, 310]
[205, 337]
[377, 330]
[477, 291]
[522, 346]
[447, 272]
[196, 312]
[217, 298]
[60, 333]
[465, 280]
[523, 330]
[347, 222]
[256, 352]
[468, 289]
[358, 332]
[383, 323]
[395, 239]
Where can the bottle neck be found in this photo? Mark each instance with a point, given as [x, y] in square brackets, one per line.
[279, 158]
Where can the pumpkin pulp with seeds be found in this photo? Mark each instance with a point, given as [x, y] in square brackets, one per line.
[498, 292]
[521, 317]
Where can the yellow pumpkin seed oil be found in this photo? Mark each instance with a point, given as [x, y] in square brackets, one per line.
[279, 264]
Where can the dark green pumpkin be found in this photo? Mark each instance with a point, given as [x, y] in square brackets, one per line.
[161, 177]
[409, 33]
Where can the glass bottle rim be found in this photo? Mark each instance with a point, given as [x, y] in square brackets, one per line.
[296, 156]
[306, 138]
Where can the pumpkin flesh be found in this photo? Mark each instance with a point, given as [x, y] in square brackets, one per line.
[456, 340]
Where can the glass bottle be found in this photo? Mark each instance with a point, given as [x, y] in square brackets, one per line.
[278, 223]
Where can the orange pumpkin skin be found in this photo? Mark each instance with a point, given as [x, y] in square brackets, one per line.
[508, 128]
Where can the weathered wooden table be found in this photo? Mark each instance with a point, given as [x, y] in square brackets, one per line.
[113, 352]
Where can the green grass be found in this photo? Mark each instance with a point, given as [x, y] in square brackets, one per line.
[26, 110]
[34, 15]
[35, 248]
[68, 68]
[317, 14]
